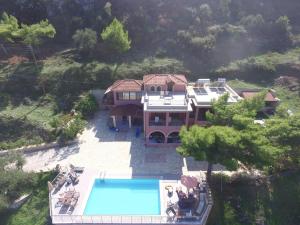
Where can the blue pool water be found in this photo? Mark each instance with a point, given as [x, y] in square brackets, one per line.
[124, 197]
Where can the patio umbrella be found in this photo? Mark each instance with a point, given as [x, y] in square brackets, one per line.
[50, 186]
[189, 181]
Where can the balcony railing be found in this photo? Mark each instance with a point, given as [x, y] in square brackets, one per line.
[83, 219]
[157, 123]
[176, 123]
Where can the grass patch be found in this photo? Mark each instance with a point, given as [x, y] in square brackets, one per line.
[242, 84]
[35, 113]
[36, 210]
[288, 99]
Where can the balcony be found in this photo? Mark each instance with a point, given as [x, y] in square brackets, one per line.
[157, 123]
[176, 123]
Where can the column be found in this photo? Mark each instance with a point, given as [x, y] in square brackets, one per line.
[114, 121]
[187, 118]
[196, 115]
[129, 121]
[167, 119]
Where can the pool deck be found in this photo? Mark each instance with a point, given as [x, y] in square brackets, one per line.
[69, 215]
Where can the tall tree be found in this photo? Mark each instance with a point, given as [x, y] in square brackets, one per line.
[33, 35]
[13, 180]
[8, 28]
[116, 37]
[231, 138]
[223, 112]
[85, 40]
[216, 144]
[285, 134]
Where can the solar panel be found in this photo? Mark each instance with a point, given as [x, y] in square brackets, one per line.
[200, 91]
[221, 89]
[213, 89]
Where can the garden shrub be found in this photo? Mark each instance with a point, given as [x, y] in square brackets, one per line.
[74, 127]
[87, 105]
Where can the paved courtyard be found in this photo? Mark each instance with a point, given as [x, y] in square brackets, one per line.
[117, 152]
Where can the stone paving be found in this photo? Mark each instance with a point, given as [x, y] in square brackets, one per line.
[120, 153]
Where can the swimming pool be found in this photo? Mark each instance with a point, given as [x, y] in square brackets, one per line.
[124, 197]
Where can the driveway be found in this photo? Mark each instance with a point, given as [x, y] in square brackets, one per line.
[117, 152]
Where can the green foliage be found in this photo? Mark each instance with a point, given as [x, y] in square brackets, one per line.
[236, 84]
[85, 40]
[216, 144]
[244, 200]
[34, 34]
[13, 180]
[21, 132]
[36, 209]
[288, 99]
[107, 8]
[116, 37]
[253, 22]
[285, 133]
[266, 66]
[205, 11]
[87, 105]
[8, 27]
[72, 128]
[223, 113]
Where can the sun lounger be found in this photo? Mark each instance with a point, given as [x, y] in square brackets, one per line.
[76, 195]
[201, 205]
[76, 169]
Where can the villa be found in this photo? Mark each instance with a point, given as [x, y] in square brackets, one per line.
[162, 103]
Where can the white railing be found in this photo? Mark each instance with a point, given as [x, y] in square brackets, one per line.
[101, 219]
[59, 219]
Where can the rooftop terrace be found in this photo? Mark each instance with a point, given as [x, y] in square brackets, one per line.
[162, 101]
[204, 95]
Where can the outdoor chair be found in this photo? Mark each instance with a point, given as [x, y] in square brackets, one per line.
[76, 169]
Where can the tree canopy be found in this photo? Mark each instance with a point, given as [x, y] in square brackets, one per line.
[85, 40]
[34, 34]
[233, 137]
[225, 113]
[116, 37]
[8, 27]
[13, 181]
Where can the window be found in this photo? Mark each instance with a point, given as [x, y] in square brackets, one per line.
[158, 88]
[138, 95]
[129, 95]
[132, 95]
[119, 95]
[152, 88]
[125, 95]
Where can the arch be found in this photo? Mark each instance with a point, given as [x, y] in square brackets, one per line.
[157, 137]
[158, 88]
[173, 137]
[152, 88]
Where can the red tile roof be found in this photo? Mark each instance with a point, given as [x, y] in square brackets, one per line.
[161, 79]
[269, 96]
[126, 85]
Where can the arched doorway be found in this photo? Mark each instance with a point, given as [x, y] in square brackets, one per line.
[173, 137]
[157, 137]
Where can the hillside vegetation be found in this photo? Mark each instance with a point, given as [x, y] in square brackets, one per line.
[264, 68]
